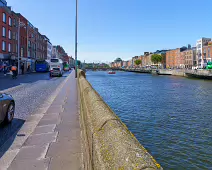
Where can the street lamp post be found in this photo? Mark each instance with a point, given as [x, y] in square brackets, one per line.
[76, 39]
[20, 24]
[19, 46]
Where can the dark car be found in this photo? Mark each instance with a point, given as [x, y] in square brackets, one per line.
[7, 108]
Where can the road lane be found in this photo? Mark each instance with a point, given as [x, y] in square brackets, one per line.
[29, 92]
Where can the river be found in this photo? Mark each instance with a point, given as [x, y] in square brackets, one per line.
[170, 116]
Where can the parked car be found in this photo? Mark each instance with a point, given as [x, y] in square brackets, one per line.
[7, 108]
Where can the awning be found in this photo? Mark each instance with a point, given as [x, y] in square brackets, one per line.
[4, 56]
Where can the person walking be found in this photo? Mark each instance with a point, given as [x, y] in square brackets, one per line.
[28, 69]
[14, 71]
[22, 68]
[5, 69]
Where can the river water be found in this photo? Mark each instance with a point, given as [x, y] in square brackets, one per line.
[170, 116]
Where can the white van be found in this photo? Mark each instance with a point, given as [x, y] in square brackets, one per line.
[56, 67]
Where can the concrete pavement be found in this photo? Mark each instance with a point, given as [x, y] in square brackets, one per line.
[30, 93]
[55, 141]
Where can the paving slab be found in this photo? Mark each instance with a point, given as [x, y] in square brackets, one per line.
[30, 165]
[32, 153]
[69, 118]
[41, 139]
[63, 148]
[44, 129]
[55, 110]
[70, 162]
[68, 134]
[72, 125]
[52, 121]
[52, 116]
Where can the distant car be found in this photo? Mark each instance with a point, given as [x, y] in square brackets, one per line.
[7, 108]
[66, 68]
[55, 72]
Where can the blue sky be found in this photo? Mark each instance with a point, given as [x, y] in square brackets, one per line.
[119, 28]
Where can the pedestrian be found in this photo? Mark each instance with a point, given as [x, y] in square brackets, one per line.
[22, 68]
[14, 71]
[28, 69]
[5, 69]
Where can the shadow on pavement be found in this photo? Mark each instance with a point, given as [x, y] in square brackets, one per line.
[8, 134]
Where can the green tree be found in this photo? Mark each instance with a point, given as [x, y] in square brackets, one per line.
[156, 58]
[137, 62]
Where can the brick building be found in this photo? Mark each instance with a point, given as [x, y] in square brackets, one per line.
[190, 58]
[174, 58]
[8, 51]
[129, 63]
[171, 58]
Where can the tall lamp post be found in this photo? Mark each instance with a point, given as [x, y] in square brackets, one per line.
[76, 39]
[20, 24]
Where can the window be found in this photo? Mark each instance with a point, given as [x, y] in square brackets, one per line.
[22, 52]
[10, 21]
[3, 31]
[29, 43]
[14, 35]
[10, 34]
[4, 18]
[28, 53]
[14, 22]
[3, 46]
[208, 52]
[9, 47]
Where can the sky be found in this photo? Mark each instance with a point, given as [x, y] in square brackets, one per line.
[108, 29]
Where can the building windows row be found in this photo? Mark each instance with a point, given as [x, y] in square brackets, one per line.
[4, 46]
[4, 33]
[4, 19]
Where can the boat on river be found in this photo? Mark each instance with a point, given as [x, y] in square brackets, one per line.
[111, 72]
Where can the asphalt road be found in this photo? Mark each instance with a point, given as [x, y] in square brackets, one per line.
[29, 92]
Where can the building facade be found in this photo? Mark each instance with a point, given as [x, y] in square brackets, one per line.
[124, 64]
[175, 59]
[8, 51]
[55, 52]
[31, 49]
[163, 54]
[201, 61]
[171, 57]
[48, 48]
[207, 52]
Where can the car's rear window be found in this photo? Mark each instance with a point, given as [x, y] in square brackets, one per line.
[56, 68]
[54, 60]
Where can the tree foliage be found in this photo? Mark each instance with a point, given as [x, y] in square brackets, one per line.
[138, 62]
[156, 58]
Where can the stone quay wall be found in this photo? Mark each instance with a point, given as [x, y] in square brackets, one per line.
[108, 144]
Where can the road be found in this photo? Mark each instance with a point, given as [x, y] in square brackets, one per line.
[29, 92]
